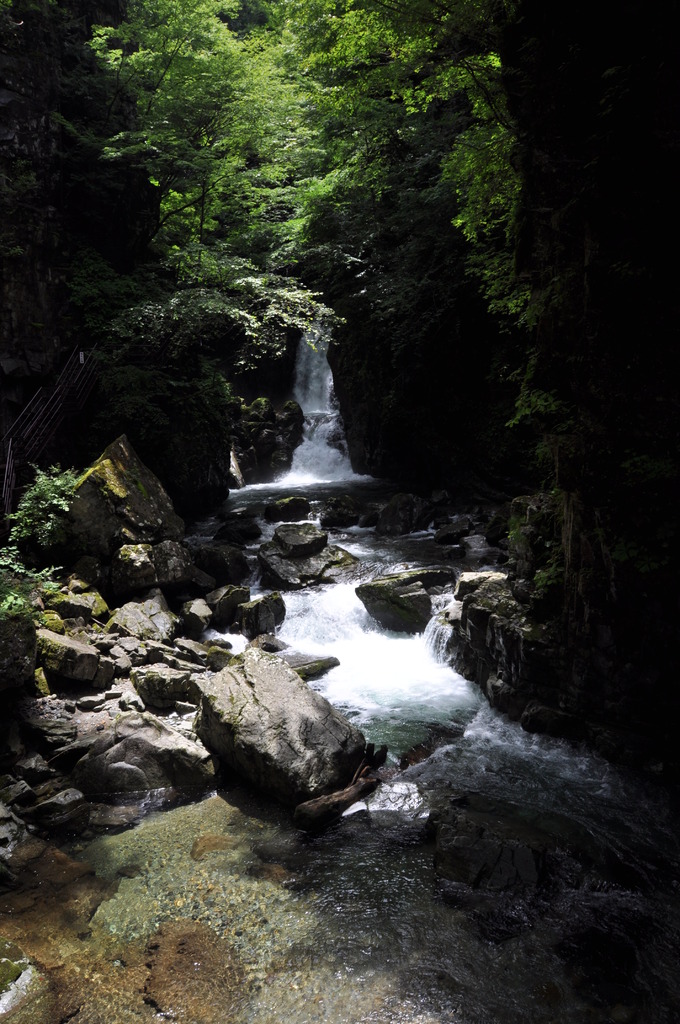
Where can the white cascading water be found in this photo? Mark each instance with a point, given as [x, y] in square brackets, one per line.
[322, 456]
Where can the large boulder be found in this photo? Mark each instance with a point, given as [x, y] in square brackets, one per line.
[299, 556]
[119, 501]
[161, 686]
[66, 657]
[18, 649]
[69, 604]
[269, 727]
[140, 753]
[136, 567]
[401, 601]
[149, 619]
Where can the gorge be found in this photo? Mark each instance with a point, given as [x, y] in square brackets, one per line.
[470, 206]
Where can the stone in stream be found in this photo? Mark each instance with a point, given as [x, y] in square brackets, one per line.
[262, 615]
[288, 510]
[299, 556]
[270, 728]
[400, 601]
[149, 619]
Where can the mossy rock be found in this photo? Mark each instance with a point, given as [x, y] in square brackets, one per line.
[119, 501]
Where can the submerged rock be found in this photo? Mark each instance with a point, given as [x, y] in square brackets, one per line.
[269, 727]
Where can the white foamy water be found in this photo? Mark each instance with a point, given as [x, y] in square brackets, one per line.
[391, 684]
[322, 457]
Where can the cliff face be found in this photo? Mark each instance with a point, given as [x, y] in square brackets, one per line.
[600, 158]
[39, 41]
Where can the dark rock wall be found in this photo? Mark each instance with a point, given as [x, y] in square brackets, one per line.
[599, 151]
[38, 43]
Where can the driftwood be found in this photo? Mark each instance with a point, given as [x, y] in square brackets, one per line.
[316, 815]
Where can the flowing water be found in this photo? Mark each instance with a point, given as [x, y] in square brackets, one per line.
[219, 911]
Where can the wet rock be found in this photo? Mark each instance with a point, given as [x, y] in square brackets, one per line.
[288, 510]
[268, 642]
[66, 809]
[239, 527]
[196, 617]
[140, 753]
[148, 619]
[262, 615]
[299, 540]
[119, 501]
[330, 565]
[453, 532]
[307, 666]
[224, 601]
[404, 513]
[270, 728]
[401, 601]
[340, 512]
[225, 563]
[18, 650]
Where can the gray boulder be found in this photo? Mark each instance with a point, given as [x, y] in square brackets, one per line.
[161, 686]
[299, 540]
[401, 601]
[285, 571]
[132, 569]
[225, 563]
[262, 615]
[119, 501]
[67, 657]
[403, 513]
[140, 753]
[196, 616]
[224, 601]
[136, 567]
[269, 727]
[149, 619]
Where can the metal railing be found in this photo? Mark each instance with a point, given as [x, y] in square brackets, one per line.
[40, 420]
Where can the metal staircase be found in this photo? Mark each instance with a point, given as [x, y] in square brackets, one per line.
[40, 420]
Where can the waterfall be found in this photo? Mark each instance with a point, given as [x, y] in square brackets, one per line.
[322, 456]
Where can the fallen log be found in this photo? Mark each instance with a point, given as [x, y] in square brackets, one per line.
[316, 815]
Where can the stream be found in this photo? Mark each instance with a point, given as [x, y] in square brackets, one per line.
[218, 910]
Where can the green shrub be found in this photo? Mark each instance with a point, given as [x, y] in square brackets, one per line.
[41, 517]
